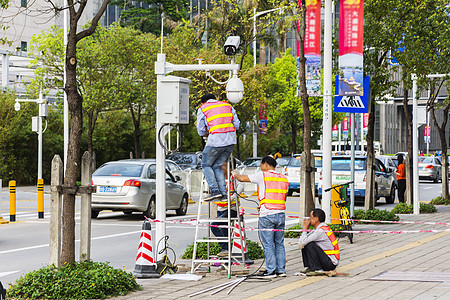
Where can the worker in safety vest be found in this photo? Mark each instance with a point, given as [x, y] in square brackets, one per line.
[320, 249]
[273, 187]
[222, 210]
[216, 120]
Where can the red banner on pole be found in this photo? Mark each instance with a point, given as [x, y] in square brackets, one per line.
[365, 120]
[351, 28]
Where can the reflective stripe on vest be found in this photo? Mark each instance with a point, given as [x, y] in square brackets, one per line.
[334, 242]
[219, 116]
[276, 187]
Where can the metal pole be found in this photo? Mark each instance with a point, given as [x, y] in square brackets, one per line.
[66, 103]
[254, 36]
[160, 162]
[5, 70]
[352, 164]
[415, 149]
[362, 132]
[339, 134]
[327, 109]
[40, 138]
[356, 130]
[428, 127]
[255, 139]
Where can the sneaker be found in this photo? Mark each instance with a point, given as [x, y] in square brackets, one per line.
[212, 197]
[223, 253]
[269, 275]
[281, 274]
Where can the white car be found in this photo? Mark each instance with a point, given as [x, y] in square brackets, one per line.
[292, 172]
[384, 180]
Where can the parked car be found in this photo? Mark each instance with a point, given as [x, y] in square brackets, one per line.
[442, 167]
[283, 161]
[252, 161]
[187, 160]
[390, 164]
[430, 168]
[384, 181]
[129, 186]
[292, 172]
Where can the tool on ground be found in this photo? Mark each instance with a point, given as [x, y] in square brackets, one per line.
[145, 266]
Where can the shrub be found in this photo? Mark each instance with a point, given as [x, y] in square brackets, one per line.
[375, 214]
[81, 280]
[296, 234]
[440, 201]
[403, 208]
[255, 251]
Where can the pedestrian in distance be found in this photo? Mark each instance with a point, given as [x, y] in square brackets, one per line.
[320, 248]
[401, 179]
[272, 187]
[218, 122]
[278, 154]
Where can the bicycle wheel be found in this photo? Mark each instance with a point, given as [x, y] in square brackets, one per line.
[350, 235]
[346, 222]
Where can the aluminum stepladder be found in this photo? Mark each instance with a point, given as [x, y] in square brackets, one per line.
[226, 221]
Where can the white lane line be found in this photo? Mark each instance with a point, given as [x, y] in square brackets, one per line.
[8, 273]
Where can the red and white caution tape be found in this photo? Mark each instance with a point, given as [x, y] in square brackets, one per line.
[194, 222]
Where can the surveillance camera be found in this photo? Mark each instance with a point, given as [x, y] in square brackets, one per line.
[232, 45]
[17, 106]
[235, 89]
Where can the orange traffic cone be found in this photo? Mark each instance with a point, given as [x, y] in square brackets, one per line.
[237, 245]
[145, 263]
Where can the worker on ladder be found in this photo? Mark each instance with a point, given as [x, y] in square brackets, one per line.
[217, 121]
[222, 209]
[273, 187]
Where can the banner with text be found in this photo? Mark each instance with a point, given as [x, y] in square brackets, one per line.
[345, 128]
[312, 47]
[351, 27]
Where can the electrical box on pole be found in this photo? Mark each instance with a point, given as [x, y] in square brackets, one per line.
[175, 95]
[35, 124]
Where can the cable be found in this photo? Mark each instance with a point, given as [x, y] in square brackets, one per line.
[163, 143]
[208, 74]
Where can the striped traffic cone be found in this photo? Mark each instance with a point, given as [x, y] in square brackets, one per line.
[237, 246]
[145, 263]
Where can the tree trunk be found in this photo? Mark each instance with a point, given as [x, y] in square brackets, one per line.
[262, 53]
[309, 197]
[137, 130]
[370, 198]
[294, 138]
[409, 165]
[75, 102]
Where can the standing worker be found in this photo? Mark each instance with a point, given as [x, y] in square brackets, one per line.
[218, 122]
[320, 249]
[273, 187]
[401, 179]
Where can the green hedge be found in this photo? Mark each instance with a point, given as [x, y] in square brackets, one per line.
[440, 201]
[81, 280]
[375, 214]
[296, 234]
[255, 251]
[403, 208]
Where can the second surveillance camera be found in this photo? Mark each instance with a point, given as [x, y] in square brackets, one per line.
[232, 45]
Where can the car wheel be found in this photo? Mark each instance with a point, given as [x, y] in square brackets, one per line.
[391, 198]
[128, 212]
[94, 214]
[183, 206]
[436, 180]
[151, 209]
[290, 192]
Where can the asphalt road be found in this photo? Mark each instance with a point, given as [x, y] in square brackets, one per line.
[115, 236]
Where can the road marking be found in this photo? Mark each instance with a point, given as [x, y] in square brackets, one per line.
[8, 273]
[309, 280]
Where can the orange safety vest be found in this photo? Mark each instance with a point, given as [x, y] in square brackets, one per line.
[225, 202]
[334, 242]
[219, 116]
[276, 187]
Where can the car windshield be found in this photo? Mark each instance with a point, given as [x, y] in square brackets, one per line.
[252, 162]
[318, 161]
[343, 164]
[295, 161]
[283, 161]
[395, 162]
[426, 160]
[184, 159]
[129, 170]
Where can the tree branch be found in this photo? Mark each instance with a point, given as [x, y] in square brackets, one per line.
[91, 29]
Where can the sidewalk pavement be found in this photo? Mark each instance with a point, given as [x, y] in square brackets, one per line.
[369, 255]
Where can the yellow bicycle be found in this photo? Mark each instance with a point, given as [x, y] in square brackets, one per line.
[344, 214]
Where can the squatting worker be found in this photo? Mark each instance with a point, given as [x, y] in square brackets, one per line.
[401, 179]
[273, 187]
[320, 249]
[216, 120]
[222, 209]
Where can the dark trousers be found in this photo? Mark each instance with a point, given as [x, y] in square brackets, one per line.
[401, 189]
[315, 259]
[222, 232]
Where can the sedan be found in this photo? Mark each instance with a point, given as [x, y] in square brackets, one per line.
[187, 160]
[130, 186]
[430, 168]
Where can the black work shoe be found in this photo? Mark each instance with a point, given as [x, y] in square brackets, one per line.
[212, 197]
[269, 275]
[281, 274]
